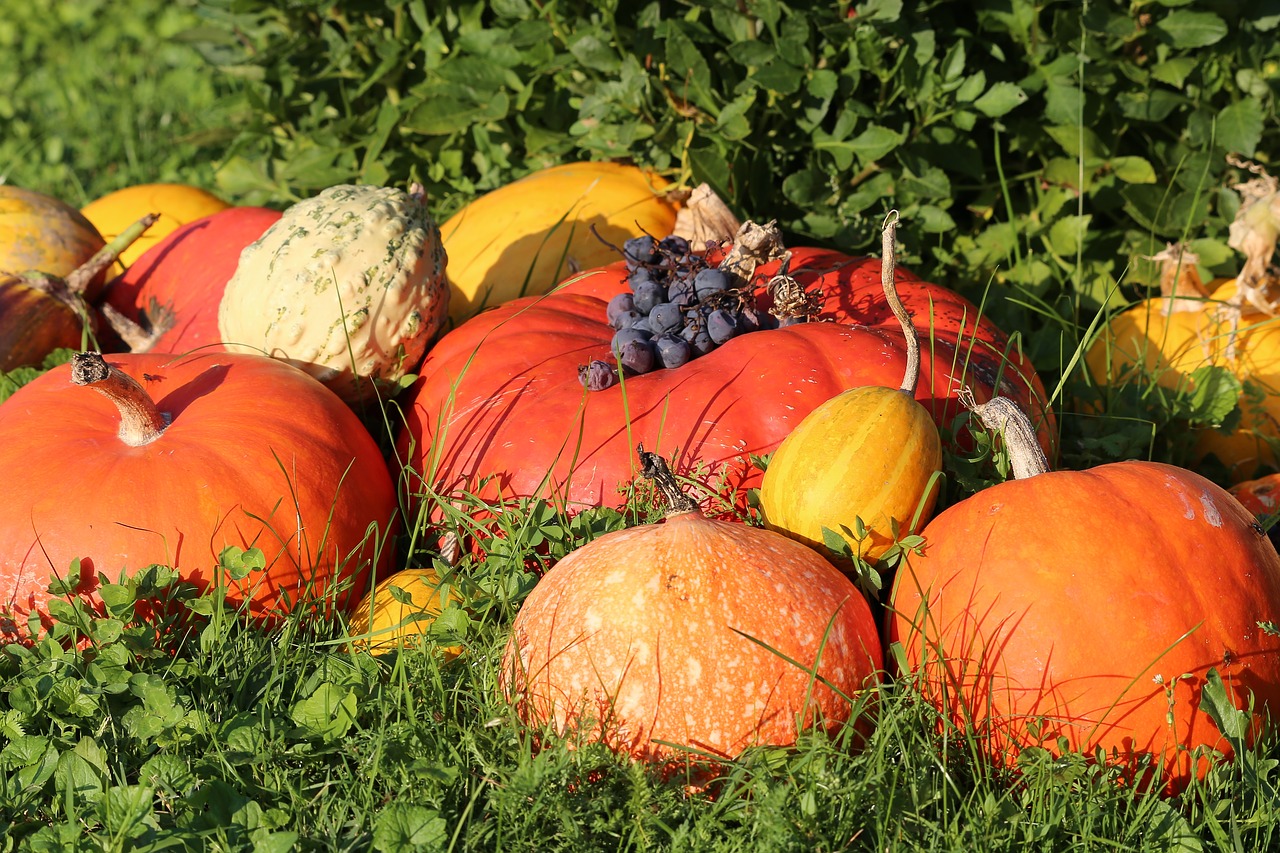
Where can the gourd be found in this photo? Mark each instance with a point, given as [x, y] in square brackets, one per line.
[41, 311]
[132, 460]
[39, 232]
[690, 634]
[871, 453]
[168, 299]
[498, 410]
[176, 204]
[1089, 611]
[400, 609]
[526, 237]
[348, 285]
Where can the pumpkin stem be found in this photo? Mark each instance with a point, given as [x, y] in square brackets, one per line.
[1181, 287]
[79, 279]
[753, 245]
[655, 468]
[1002, 415]
[140, 421]
[888, 246]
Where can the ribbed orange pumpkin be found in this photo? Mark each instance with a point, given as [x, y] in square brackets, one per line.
[1088, 607]
[692, 631]
[234, 450]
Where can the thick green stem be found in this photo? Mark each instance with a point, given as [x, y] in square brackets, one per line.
[141, 422]
[79, 279]
[888, 246]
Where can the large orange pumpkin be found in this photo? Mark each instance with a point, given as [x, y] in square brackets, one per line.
[1086, 609]
[695, 632]
[234, 450]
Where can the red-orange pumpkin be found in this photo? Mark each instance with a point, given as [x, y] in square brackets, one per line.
[236, 450]
[1089, 606]
[498, 408]
[173, 290]
[697, 632]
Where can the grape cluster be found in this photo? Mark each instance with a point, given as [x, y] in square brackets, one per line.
[678, 308]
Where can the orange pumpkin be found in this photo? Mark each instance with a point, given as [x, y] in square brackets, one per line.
[692, 631]
[1085, 610]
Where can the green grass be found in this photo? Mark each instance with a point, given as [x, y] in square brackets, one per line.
[199, 732]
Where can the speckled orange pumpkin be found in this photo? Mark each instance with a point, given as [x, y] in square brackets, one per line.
[691, 631]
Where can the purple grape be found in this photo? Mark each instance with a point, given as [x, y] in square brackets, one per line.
[623, 336]
[642, 324]
[721, 325]
[681, 292]
[674, 245]
[672, 351]
[637, 355]
[639, 276]
[665, 317]
[619, 304]
[709, 281]
[598, 375]
[756, 320]
[641, 250]
[649, 294]
[627, 319]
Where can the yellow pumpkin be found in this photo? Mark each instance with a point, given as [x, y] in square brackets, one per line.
[869, 453]
[383, 623]
[177, 205]
[39, 232]
[525, 238]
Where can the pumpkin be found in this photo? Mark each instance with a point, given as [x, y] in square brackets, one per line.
[1086, 611]
[40, 311]
[174, 459]
[401, 608]
[871, 453]
[524, 238]
[348, 285]
[498, 410]
[172, 292]
[690, 634]
[39, 232]
[177, 204]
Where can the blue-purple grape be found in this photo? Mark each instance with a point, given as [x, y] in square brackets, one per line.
[641, 250]
[674, 245]
[665, 317]
[642, 324]
[623, 336]
[619, 304]
[721, 325]
[702, 342]
[637, 356]
[639, 276]
[598, 375]
[672, 350]
[627, 319]
[710, 280]
[649, 294]
[681, 292]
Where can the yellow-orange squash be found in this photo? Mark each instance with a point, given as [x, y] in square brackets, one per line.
[690, 634]
[177, 205]
[869, 453]
[400, 609]
[525, 238]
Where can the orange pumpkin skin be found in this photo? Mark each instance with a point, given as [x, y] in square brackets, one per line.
[258, 454]
[633, 639]
[185, 275]
[1085, 634]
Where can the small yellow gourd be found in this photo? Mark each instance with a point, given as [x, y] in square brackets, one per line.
[176, 204]
[401, 609]
[869, 453]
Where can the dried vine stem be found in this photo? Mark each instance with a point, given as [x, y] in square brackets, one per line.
[655, 468]
[141, 422]
[888, 266]
[1002, 415]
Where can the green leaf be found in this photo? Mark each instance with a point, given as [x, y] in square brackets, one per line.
[875, 142]
[1187, 29]
[1239, 127]
[1000, 99]
[1066, 236]
[407, 826]
[1133, 170]
[1216, 395]
[326, 714]
[1214, 701]
[1175, 70]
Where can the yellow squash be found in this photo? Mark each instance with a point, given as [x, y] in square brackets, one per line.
[527, 237]
[177, 205]
[869, 453]
[383, 623]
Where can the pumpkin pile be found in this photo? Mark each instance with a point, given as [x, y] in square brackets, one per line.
[229, 368]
